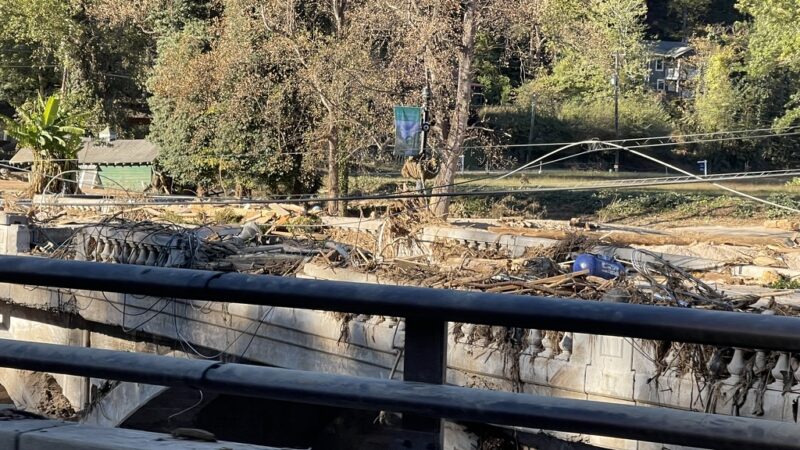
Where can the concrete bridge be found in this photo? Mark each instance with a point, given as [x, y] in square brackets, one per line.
[571, 365]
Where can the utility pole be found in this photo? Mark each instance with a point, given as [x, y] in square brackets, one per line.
[533, 125]
[615, 81]
[424, 157]
[426, 126]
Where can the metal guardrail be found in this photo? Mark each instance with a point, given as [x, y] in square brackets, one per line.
[451, 402]
[427, 312]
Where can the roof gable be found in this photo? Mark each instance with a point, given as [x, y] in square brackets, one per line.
[668, 49]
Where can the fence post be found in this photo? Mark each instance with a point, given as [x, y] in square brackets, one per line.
[425, 361]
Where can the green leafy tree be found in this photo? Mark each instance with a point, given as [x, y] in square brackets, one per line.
[228, 112]
[339, 52]
[62, 46]
[731, 94]
[592, 41]
[53, 136]
[774, 47]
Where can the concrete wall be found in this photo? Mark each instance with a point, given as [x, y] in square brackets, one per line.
[26, 389]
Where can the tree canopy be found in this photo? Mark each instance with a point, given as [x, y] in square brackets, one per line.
[285, 96]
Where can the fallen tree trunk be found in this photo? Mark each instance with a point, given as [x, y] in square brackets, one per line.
[634, 238]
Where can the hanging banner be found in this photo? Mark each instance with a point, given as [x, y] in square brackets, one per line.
[408, 130]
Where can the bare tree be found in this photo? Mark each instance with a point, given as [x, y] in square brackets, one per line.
[435, 44]
[333, 42]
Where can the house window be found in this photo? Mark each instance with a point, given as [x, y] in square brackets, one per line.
[672, 86]
[660, 85]
[673, 73]
[659, 63]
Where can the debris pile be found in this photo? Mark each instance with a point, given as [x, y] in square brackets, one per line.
[578, 260]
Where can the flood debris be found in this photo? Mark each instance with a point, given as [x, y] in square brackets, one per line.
[576, 260]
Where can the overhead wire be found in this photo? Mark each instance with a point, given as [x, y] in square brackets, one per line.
[597, 142]
[306, 198]
[420, 193]
[640, 182]
[674, 137]
[673, 167]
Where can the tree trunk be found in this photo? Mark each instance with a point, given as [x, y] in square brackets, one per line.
[48, 176]
[42, 83]
[37, 180]
[333, 170]
[458, 125]
[335, 207]
[344, 184]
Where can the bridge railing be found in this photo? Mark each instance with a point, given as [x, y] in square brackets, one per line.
[422, 396]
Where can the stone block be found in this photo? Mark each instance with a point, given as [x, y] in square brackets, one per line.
[790, 407]
[566, 375]
[477, 381]
[612, 353]
[612, 384]
[610, 373]
[12, 219]
[581, 348]
[5, 291]
[120, 403]
[615, 443]
[700, 396]
[667, 390]
[562, 393]
[644, 356]
[776, 406]
[479, 360]
[533, 369]
[15, 239]
[725, 400]
[537, 389]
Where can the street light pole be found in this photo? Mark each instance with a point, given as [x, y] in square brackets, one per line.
[533, 125]
[616, 108]
[426, 96]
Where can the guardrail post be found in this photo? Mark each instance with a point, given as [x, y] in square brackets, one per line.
[425, 361]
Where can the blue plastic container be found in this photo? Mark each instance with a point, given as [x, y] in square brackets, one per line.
[599, 266]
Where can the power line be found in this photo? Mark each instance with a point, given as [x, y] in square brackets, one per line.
[21, 66]
[610, 143]
[621, 184]
[419, 193]
[670, 138]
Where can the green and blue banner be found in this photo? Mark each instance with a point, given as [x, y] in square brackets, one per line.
[408, 130]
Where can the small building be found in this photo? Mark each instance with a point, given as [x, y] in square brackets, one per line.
[109, 163]
[669, 68]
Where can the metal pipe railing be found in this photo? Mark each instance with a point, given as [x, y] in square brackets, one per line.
[426, 312]
[450, 402]
[647, 322]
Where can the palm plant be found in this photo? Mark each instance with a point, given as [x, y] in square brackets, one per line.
[52, 135]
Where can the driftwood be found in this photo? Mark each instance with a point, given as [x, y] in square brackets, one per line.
[633, 238]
